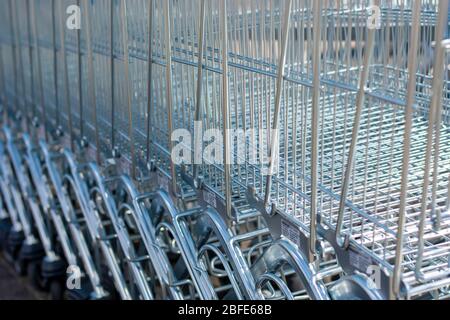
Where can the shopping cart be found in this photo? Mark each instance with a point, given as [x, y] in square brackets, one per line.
[233, 43]
[25, 165]
[345, 184]
[46, 55]
[232, 149]
[24, 247]
[52, 268]
[146, 158]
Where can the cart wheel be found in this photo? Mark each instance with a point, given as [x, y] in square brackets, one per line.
[57, 290]
[20, 267]
[34, 275]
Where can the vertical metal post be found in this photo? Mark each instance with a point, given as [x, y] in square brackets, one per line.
[433, 125]
[19, 60]
[198, 106]
[360, 101]
[317, 14]
[55, 65]
[30, 56]
[410, 99]
[13, 49]
[149, 79]
[169, 98]
[279, 91]
[91, 76]
[113, 76]
[123, 12]
[67, 100]
[80, 74]
[225, 111]
[14, 62]
[39, 67]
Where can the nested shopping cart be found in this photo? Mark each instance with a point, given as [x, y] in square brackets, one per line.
[359, 153]
[240, 46]
[231, 149]
[24, 151]
[23, 245]
[174, 225]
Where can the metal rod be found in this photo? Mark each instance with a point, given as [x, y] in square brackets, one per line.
[39, 69]
[150, 79]
[169, 98]
[360, 101]
[128, 87]
[412, 69]
[55, 66]
[16, 48]
[317, 13]
[225, 106]
[113, 76]
[30, 57]
[91, 77]
[67, 99]
[279, 92]
[198, 101]
[433, 125]
[80, 84]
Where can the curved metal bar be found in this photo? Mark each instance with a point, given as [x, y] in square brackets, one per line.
[187, 247]
[127, 249]
[6, 192]
[19, 195]
[58, 221]
[31, 164]
[98, 231]
[258, 246]
[271, 277]
[165, 226]
[282, 251]
[76, 234]
[57, 182]
[35, 169]
[81, 243]
[226, 265]
[355, 287]
[147, 232]
[61, 230]
[82, 195]
[234, 254]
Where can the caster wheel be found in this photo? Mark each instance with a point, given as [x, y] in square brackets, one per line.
[20, 267]
[35, 276]
[57, 290]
